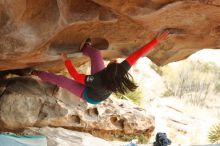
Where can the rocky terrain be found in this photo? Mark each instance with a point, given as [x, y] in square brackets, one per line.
[26, 102]
[35, 32]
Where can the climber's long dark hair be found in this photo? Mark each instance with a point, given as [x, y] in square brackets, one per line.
[116, 79]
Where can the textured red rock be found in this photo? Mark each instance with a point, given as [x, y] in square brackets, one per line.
[34, 32]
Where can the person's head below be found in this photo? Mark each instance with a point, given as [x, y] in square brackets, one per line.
[117, 79]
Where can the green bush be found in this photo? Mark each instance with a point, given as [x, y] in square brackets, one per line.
[168, 93]
[192, 80]
[214, 134]
[136, 96]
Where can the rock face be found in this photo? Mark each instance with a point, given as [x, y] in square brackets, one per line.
[34, 32]
[24, 102]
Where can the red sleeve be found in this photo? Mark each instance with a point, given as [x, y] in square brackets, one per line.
[72, 71]
[140, 52]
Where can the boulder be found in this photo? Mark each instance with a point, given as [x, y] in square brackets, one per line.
[26, 102]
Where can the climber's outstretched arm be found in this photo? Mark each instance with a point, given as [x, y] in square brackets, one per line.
[130, 60]
[72, 70]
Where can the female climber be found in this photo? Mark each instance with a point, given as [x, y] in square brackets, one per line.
[103, 80]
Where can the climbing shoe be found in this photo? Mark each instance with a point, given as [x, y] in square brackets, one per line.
[88, 41]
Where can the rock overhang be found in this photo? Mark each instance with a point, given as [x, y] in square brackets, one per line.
[34, 33]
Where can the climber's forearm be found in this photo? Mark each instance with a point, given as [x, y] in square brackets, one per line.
[140, 52]
[72, 71]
